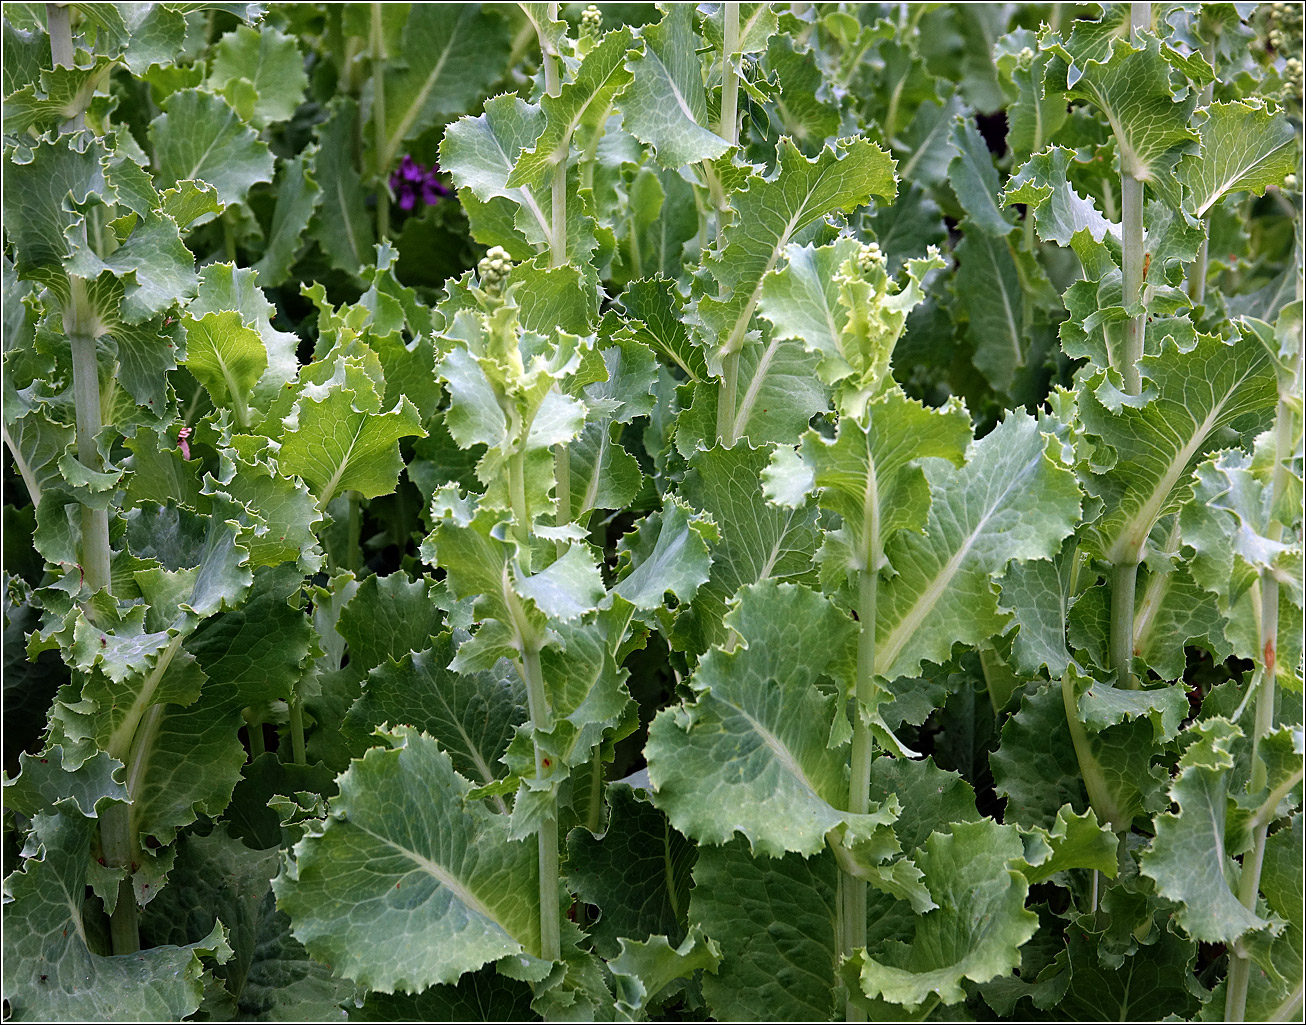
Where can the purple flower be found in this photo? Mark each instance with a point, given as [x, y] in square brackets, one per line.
[412, 181]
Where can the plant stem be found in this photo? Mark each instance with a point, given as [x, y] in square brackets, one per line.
[378, 122]
[228, 238]
[537, 699]
[354, 533]
[1249, 882]
[1124, 585]
[297, 752]
[1099, 795]
[59, 24]
[254, 728]
[1132, 257]
[521, 523]
[594, 816]
[728, 128]
[863, 746]
[1197, 269]
[116, 841]
[95, 551]
[727, 398]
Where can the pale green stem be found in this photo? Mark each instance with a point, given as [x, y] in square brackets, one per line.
[727, 399]
[254, 727]
[1250, 880]
[1124, 585]
[1132, 254]
[1099, 794]
[595, 816]
[550, 910]
[521, 522]
[354, 533]
[297, 751]
[1132, 257]
[86, 402]
[59, 24]
[863, 752]
[728, 128]
[378, 121]
[115, 840]
[1197, 269]
[1092, 894]
[228, 238]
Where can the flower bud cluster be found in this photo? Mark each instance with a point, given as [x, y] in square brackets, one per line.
[591, 21]
[493, 270]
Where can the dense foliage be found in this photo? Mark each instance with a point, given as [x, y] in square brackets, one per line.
[737, 511]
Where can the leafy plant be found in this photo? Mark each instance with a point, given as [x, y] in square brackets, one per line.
[750, 511]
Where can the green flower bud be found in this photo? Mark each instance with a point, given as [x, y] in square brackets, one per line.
[493, 270]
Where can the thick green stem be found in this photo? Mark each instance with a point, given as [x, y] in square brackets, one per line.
[594, 814]
[228, 238]
[521, 522]
[550, 910]
[558, 208]
[562, 489]
[378, 120]
[1132, 258]
[354, 533]
[1249, 882]
[727, 400]
[1124, 585]
[254, 728]
[59, 24]
[116, 842]
[86, 403]
[728, 128]
[863, 751]
[1090, 770]
[297, 752]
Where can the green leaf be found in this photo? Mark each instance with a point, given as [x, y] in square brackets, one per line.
[342, 441]
[646, 967]
[472, 714]
[43, 201]
[768, 216]
[269, 975]
[1011, 501]
[1036, 113]
[298, 197]
[1036, 769]
[1038, 595]
[977, 929]
[777, 395]
[840, 301]
[751, 754]
[1154, 982]
[975, 180]
[227, 358]
[1157, 440]
[1075, 841]
[341, 224]
[1060, 213]
[199, 136]
[484, 995]
[668, 552]
[43, 782]
[269, 68]
[1189, 858]
[665, 104]
[401, 854]
[581, 107]
[636, 872]
[53, 973]
[1244, 147]
[869, 475]
[63, 93]
[451, 55]
[759, 540]
[1134, 87]
[776, 921]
